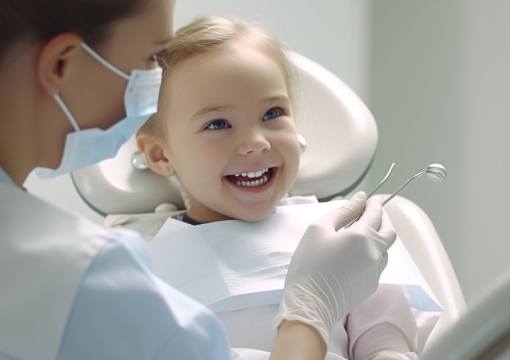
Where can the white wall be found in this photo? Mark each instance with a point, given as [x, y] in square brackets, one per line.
[332, 32]
[60, 191]
[485, 205]
[440, 91]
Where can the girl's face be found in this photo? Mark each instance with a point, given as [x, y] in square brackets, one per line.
[231, 137]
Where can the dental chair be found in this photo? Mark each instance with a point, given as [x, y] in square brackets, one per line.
[341, 139]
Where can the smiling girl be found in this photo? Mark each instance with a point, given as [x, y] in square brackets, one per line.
[226, 125]
[225, 128]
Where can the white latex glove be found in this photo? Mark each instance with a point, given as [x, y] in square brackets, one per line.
[335, 269]
[390, 355]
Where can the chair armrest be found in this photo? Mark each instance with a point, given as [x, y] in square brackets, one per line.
[422, 241]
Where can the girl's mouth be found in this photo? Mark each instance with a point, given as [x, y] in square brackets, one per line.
[252, 179]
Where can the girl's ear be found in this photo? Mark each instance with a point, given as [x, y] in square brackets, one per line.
[151, 146]
[56, 61]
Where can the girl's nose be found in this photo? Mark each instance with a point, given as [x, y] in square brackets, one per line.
[253, 143]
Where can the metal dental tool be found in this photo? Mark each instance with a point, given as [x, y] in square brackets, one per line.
[382, 181]
[435, 172]
[372, 193]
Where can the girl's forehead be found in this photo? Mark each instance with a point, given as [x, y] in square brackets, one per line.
[222, 51]
[234, 56]
[215, 74]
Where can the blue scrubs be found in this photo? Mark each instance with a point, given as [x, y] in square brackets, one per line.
[5, 178]
[121, 310]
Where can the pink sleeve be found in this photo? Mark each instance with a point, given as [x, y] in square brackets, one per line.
[386, 321]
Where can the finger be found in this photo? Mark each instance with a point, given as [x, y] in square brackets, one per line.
[387, 231]
[338, 218]
[385, 237]
[372, 216]
[355, 205]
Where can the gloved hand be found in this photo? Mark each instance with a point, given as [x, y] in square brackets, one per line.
[335, 269]
[391, 355]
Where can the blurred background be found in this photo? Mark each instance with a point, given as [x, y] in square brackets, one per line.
[436, 76]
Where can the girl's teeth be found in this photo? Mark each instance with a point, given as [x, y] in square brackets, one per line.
[243, 179]
[253, 174]
[253, 183]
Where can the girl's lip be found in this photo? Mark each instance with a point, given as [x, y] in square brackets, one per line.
[256, 189]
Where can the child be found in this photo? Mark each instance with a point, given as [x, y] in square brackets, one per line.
[225, 129]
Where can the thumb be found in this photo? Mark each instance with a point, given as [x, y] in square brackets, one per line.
[340, 217]
[373, 213]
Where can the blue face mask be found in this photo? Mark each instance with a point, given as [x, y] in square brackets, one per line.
[89, 146]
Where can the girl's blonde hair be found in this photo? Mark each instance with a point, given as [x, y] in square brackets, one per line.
[211, 33]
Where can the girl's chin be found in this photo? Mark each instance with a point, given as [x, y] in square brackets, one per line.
[245, 214]
[251, 216]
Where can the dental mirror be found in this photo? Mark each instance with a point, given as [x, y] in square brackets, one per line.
[435, 173]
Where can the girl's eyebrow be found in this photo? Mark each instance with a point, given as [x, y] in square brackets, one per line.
[275, 98]
[209, 109]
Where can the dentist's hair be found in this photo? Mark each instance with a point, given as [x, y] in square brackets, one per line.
[35, 20]
[211, 33]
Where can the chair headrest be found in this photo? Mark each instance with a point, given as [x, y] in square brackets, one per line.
[340, 134]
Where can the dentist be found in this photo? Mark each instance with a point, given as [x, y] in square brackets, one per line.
[70, 289]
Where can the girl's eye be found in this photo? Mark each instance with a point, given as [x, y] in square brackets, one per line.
[271, 114]
[217, 125]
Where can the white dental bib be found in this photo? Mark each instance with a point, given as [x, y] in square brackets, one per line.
[42, 262]
[238, 269]
[220, 263]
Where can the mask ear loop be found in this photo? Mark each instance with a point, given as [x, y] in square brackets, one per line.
[66, 111]
[104, 62]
